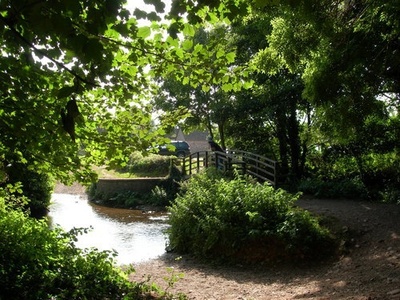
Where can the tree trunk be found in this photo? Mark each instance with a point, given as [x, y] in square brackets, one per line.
[222, 135]
[282, 139]
[294, 142]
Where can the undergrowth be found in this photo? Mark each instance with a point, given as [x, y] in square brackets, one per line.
[238, 219]
[38, 262]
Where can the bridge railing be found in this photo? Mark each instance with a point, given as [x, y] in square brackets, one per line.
[257, 166]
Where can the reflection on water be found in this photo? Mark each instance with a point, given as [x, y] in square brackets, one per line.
[136, 236]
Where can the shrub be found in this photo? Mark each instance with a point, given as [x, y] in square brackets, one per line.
[37, 262]
[150, 165]
[159, 196]
[391, 195]
[238, 219]
[335, 188]
[37, 187]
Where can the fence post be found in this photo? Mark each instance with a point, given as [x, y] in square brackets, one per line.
[190, 166]
[198, 162]
[184, 166]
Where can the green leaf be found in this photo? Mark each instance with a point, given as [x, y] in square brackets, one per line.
[173, 42]
[188, 30]
[179, 52]
[140, 14]
[230, 57]
[144, 32]
[187, 44]
[158, 5]
[153, 16]
[220, 53]
[185, 80]
[248, 84]
[226, 87]
[205, 88]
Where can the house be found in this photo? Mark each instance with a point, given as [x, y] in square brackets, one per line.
[197, 141]
[177, 135]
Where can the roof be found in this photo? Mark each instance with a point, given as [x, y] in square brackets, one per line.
[197, 136]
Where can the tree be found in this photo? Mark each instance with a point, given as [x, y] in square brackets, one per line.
[346, 55]
[345, 51]
[76, 79]
[209, 105]
[272, 118]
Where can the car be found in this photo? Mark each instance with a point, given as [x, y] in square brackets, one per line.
[177, 148]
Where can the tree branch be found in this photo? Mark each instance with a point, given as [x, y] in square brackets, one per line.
[43, 53]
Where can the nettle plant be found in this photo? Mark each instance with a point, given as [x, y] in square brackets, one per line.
[239, 219]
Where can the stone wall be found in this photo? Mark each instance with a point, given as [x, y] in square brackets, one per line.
[108, 187]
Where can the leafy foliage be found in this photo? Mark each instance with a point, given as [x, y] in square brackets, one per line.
[148, 165]
[34, 186]
[76, 81]
[243, 220]
[39, 263]
[354, 171]
[324, 77]
[345, 188]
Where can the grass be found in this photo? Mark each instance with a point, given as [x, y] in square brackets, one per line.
[103, 172]
[139, 167]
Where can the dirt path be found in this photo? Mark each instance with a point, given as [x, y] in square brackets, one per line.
[370, 269]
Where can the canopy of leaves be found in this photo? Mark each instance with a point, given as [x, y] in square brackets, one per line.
[76, 79]
[326, 70]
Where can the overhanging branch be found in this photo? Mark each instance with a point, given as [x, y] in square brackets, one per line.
[43, 53]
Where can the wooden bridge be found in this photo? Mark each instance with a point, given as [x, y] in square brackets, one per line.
[245, 163]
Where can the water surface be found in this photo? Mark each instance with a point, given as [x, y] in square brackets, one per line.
[135, 235]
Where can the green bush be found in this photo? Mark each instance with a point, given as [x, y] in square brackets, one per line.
[39, 263]
[339, 188]
[158, 197]
[37, 187]
[338, 174]
[391, 195]
[241, 220]
[122, 199]
[150, 165]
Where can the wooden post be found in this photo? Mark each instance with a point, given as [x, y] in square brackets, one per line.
[198, 162]
[190, 167]
[184, 166]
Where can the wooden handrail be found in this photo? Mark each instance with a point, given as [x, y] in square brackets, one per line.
[257, 166]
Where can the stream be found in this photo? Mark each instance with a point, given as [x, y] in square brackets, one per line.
[137, 236]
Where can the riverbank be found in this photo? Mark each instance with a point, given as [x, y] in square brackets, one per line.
[370, 270]
[74, 189]
[78, 189]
